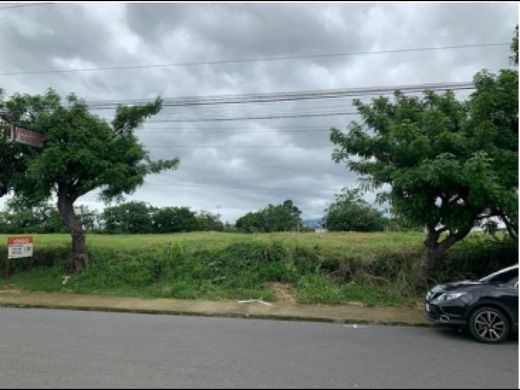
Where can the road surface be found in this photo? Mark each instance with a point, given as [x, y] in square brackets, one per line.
[71, 349]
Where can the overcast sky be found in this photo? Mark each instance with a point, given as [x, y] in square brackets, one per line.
[264, 161]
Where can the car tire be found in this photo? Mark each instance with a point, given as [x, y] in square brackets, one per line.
[489, 325]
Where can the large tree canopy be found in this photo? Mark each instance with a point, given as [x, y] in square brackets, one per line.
[448, 163]
[82, 152]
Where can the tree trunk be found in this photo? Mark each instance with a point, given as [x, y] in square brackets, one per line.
[79, 258]
[512, 229]
[430, 259]
[435, 249]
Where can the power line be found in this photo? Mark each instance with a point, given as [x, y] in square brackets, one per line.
[304, 95]
[250, 60]
[247, 118]
[287, 96]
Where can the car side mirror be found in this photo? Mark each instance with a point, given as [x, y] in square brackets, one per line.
[516, 286]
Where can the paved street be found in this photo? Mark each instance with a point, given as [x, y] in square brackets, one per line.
[51, 348]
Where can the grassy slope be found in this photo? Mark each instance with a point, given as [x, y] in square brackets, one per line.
[374, 268]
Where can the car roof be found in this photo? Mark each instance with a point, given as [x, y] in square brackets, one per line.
[508, 268]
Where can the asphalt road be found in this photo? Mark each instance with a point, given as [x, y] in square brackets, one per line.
[70, 349]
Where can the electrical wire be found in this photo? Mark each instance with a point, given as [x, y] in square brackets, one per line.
[251, 60]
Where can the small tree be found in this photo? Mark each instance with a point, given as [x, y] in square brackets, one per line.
[175, 220]
[280, 218]
[209, 222]
[82, 153]
[350, 212]
[130, 217]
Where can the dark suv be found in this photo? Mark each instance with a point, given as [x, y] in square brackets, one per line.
[488, 308]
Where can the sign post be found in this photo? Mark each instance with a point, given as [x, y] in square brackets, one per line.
[25, 136]
[18, 247]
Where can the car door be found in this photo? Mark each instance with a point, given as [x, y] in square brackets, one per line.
[512, 300]
[507, 296]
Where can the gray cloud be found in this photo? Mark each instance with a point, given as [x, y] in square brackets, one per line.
[244, 176]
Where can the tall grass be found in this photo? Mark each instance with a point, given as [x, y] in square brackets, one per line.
[373, 268]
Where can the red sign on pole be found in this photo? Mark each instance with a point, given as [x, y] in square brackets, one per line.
[19, 247]
[26, 136]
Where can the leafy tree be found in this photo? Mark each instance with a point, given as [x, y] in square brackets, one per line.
[514, 48]
[493, 116]
[130, 218]
[449, 163]
[251, 222]
[175, 220]
[89, 218]
[209, 222]
[82, 153]
[350, 212]
[19, 217]
[12, 155]
[396, 223]
[280, 218]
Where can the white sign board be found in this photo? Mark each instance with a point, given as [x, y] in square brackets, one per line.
[19, 247]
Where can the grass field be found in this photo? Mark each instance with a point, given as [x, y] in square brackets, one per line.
[332, 268]
[359, 242]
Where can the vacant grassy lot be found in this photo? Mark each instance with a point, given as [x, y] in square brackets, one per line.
[360, 242]
[373, 268]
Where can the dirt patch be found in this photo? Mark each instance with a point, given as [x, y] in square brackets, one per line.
[283, 292]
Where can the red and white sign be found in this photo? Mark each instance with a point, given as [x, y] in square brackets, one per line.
[26, 136]
[19, 247]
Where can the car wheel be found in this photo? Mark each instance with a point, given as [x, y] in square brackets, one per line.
[489, 325]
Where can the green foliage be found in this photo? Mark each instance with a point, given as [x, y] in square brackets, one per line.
[209, 222]
[323, 289]
[448, 164]
[175, 220]
[82, 151]
[41, 218]
[138, 217]
[18, 217]
[372, 268]
[131, 217]
[514, 48]
[494, 120]
[281, 218]
[350, 212]
[319, 289]
[13, 156]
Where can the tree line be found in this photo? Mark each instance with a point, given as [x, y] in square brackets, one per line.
[126, 218]
[349, 212]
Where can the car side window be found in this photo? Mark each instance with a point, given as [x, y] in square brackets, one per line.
[505, 277]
